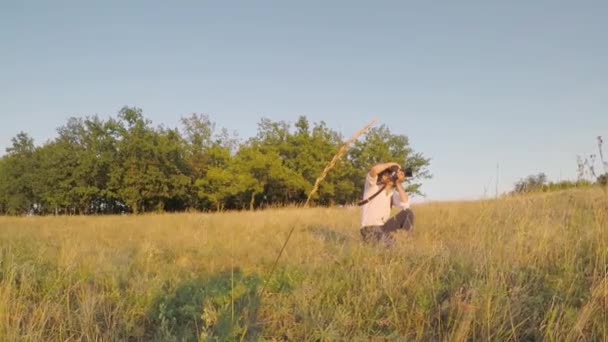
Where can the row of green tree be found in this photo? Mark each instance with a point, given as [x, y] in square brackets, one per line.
[125, 164]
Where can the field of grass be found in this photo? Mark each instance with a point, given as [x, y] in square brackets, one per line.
[521, 269]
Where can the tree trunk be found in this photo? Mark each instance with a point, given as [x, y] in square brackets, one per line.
[252, 200]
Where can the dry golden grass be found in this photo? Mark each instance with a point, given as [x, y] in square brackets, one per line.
[521, 268]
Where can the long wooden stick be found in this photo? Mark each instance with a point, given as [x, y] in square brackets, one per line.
[329, 166]
[337, 157]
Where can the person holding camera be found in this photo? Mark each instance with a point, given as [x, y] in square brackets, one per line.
[384, 190]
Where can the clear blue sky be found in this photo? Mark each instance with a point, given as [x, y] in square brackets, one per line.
[473, 84]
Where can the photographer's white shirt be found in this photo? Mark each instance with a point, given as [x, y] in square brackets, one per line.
[378, 210]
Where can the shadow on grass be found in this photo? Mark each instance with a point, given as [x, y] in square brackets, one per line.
[219, 307]
[329, 235]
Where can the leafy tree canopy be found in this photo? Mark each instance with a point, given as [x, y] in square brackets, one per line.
[125, 164]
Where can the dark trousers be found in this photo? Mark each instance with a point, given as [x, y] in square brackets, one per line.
[403, 220]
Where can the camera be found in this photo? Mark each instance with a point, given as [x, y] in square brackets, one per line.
[409, 172]
[393, 173]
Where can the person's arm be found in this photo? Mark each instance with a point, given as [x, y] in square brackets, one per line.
[402, 200]
[402, 194]
[376, 169]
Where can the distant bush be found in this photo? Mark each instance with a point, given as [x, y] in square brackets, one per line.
[602, 180]
[531, 183]
[539, 183]
[563, 185]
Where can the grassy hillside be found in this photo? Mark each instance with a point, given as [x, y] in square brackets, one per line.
[522, 268]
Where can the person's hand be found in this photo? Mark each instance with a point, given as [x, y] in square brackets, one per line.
[378, 168]
[400, 176]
